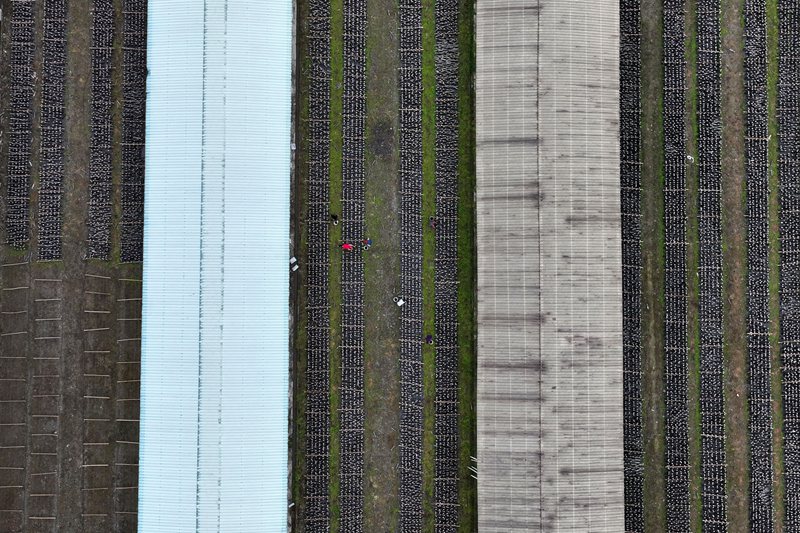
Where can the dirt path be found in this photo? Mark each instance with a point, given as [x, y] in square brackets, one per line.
[653, 266]
[734, 234]
[778, 488]
[335, 255]
[76, 143]
[381, 273]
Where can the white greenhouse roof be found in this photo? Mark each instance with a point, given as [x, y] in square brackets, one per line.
[215, 361]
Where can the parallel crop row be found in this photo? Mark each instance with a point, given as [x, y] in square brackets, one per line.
[20, 123]
[446, 271]
[675, 348]
[134, 77]
[712, 412]
[758, 345]
[318, 420]
[100, 198]
[51, 179]
[351, 493]
[410, 86]
[789, 198]
[630, 200]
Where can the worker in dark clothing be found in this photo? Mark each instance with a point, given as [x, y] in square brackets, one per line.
[429, 339]
[334, 219]
[432, 223]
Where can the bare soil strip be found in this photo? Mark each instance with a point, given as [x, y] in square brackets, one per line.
[381, 273]
[734, 234]
[653, 265]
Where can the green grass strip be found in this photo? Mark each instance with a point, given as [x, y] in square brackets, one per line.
[301, 349]
[428, 256]
[335, 273]
[301, 334]
[467, 269]
[381, 272]
[653, 260]
[778, 489]
[693, 259]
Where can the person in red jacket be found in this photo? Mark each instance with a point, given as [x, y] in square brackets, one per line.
[347, 247]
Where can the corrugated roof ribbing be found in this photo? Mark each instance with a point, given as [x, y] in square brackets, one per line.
[550, 425]
[213, 452]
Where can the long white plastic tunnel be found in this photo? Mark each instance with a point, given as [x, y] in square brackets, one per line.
[215, 360]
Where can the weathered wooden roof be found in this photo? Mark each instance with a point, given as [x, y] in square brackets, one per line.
[549, 266]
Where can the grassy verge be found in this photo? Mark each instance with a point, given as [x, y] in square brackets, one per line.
[653, 249]
[381, 272]
[692, 260]
[468, 488]
[301, 364]
[778, 491]
[428, 256]
[335, 273]
[16, 253]
[301, 315]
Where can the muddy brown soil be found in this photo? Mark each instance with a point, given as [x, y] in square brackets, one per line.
[382, 273]
[72, 329]
[653, 267]
[734, 236]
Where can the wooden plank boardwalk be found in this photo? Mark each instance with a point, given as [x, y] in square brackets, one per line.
[549, 266]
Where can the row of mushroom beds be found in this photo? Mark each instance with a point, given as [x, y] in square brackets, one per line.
[712, 419]
[351, 410]
[50, 190]
[789, 199]
[713, 469]
[351, 427]
[758, 322]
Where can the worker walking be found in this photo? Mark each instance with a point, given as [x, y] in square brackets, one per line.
[347, 247]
